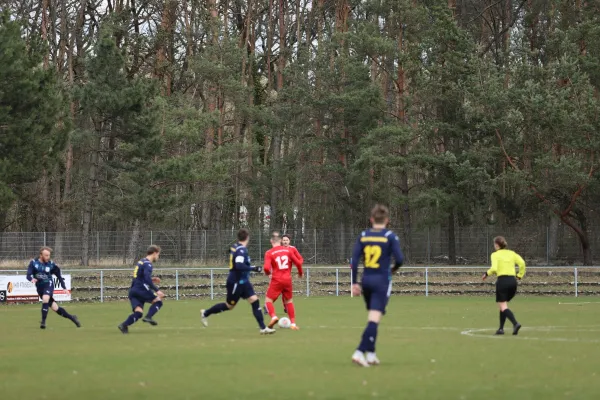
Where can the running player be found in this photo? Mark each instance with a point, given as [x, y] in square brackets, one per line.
[377, 246]
[238, 284]
[278, 261]
[285, 242]
[39, 272]
[503, 265]
[143, 290]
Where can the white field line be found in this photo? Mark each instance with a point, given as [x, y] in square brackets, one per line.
[488, 333]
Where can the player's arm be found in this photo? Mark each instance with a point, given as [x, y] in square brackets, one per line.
[267, 264]
[56, 272]
[297, 262]
[494, 268]
[242, 263]
[398, 255]
[298, 255]
[148, 278]
[521, 263]
[30, 272]
[356, 256]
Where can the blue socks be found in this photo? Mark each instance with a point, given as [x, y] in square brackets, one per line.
[216, 309]
[63, 313]
[133, 318]
[258, 315]
[369, 337]
[45, 308]
[154, 309]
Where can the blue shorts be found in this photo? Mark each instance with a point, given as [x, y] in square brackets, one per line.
[237, 291]
[46, 289]
[138, 297]
[376, 292]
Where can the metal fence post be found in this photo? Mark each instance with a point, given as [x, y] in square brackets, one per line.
[151, 238]
[176, 285]
[101, 286]
[45, 239]
[426, 282]
[576, 290]
[212, 290]
[337, 281]
[351, 275]
[259, 244]
[307, 282]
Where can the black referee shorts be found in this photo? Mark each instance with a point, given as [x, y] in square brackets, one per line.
[506, 288]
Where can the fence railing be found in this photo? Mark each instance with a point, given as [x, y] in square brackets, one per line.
[537, 244]
[100, 285]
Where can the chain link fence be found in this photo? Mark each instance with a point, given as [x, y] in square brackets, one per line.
[538, 245]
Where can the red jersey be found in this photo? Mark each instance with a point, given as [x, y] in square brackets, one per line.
[296, 253]
[278, 261]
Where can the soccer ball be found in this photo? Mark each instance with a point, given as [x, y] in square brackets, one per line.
[285, 323]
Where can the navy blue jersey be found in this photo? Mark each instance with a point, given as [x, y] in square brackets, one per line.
[239, 264]
[376, 247]
[142, 276]
[43, 272]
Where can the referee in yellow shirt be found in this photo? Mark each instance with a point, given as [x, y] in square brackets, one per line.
[503, 265]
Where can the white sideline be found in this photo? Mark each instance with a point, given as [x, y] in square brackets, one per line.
[489, 333]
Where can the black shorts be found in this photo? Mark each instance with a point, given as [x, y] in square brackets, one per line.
[506, 288]
[138, 297]
[376, 292]
[237, 291]
[46, 290]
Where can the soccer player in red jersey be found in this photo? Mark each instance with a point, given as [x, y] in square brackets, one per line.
[285, 242]
[278, 262]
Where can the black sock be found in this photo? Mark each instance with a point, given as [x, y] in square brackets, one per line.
[136, 316]
[502, 319]
[154, 309]
[63, 313]
[367, 342]
[510, 316]
[258, 315]
[216, 309]
[45, 307]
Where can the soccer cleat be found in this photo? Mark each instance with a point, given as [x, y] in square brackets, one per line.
[203, 318]
[294, 327]
[267, 331]
[42, 325]
[274, 321]
[359, 358]
[150, 321]
[372, 359]
[500, 332]
[124, 330]
[516, 329]
[76, 321]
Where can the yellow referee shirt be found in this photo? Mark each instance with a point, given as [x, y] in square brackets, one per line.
[504, 261]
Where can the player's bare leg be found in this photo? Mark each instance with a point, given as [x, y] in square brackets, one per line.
[292, 313]
[271, 309]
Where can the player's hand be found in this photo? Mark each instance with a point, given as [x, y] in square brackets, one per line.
[257, 268]
[160, 294]
[356, 291]
[63, 284]
[483, 277]
[34, 281]
[155, 280]
[300, 275]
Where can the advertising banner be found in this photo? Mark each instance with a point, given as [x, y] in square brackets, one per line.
[17, 289]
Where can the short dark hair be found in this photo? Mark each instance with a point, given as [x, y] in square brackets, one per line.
[285, 235]
[380, 213]
[46, 248]
[152, 249]
[243, 235]
[501, 242]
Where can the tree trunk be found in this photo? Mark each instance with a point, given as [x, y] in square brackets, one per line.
[553, 238]
[451, 238]
[135, 242]
[90, 198]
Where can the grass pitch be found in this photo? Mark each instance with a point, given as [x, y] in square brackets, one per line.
[430, 348]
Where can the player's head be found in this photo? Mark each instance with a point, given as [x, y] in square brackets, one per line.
[380, 216]
[275, 238]
[500, 243]
[45, 253]
[285, 240]
[243, 235]
[153, 253]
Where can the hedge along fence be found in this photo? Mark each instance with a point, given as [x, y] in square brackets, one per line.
[99, 285]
